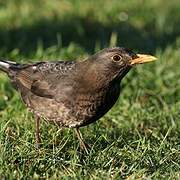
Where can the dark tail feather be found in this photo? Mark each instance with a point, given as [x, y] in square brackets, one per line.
[8, 66]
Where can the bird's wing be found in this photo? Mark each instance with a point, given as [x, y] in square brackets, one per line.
[43, 78]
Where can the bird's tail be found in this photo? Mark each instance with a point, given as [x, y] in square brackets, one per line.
[8, 66]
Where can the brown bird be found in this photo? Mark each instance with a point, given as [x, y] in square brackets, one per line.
[69, 93]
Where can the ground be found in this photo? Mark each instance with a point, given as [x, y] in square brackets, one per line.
[139, 137]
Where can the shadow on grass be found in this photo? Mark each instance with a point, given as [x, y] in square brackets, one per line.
[86, 32]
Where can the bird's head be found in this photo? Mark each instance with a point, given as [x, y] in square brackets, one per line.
[115, 62]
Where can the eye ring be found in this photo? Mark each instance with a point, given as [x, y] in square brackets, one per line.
[116, 57]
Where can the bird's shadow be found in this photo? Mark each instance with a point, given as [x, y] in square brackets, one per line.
[85, 32]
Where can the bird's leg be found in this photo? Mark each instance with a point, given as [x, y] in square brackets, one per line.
[37, 132]
[80, 138]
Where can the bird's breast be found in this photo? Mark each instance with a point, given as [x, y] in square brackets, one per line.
[90, 107]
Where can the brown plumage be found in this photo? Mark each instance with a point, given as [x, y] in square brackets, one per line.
[69, 93]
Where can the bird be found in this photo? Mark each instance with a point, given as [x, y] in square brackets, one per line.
[72, 94]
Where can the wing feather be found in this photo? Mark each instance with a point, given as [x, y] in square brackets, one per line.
[43, 78]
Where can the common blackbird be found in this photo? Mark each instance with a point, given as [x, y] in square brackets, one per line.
[73, 93]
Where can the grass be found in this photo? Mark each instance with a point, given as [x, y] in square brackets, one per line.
[139, 137]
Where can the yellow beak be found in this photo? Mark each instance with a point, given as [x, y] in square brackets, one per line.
[143, 58]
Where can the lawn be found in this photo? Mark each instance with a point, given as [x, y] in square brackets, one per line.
[140, 136]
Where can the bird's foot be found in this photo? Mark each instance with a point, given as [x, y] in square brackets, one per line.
[84, 147]
[37, 146]
[37, 141]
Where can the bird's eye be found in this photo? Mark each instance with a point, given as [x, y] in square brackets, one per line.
[116, 57]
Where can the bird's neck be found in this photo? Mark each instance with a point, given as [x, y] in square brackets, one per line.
[92, 78]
